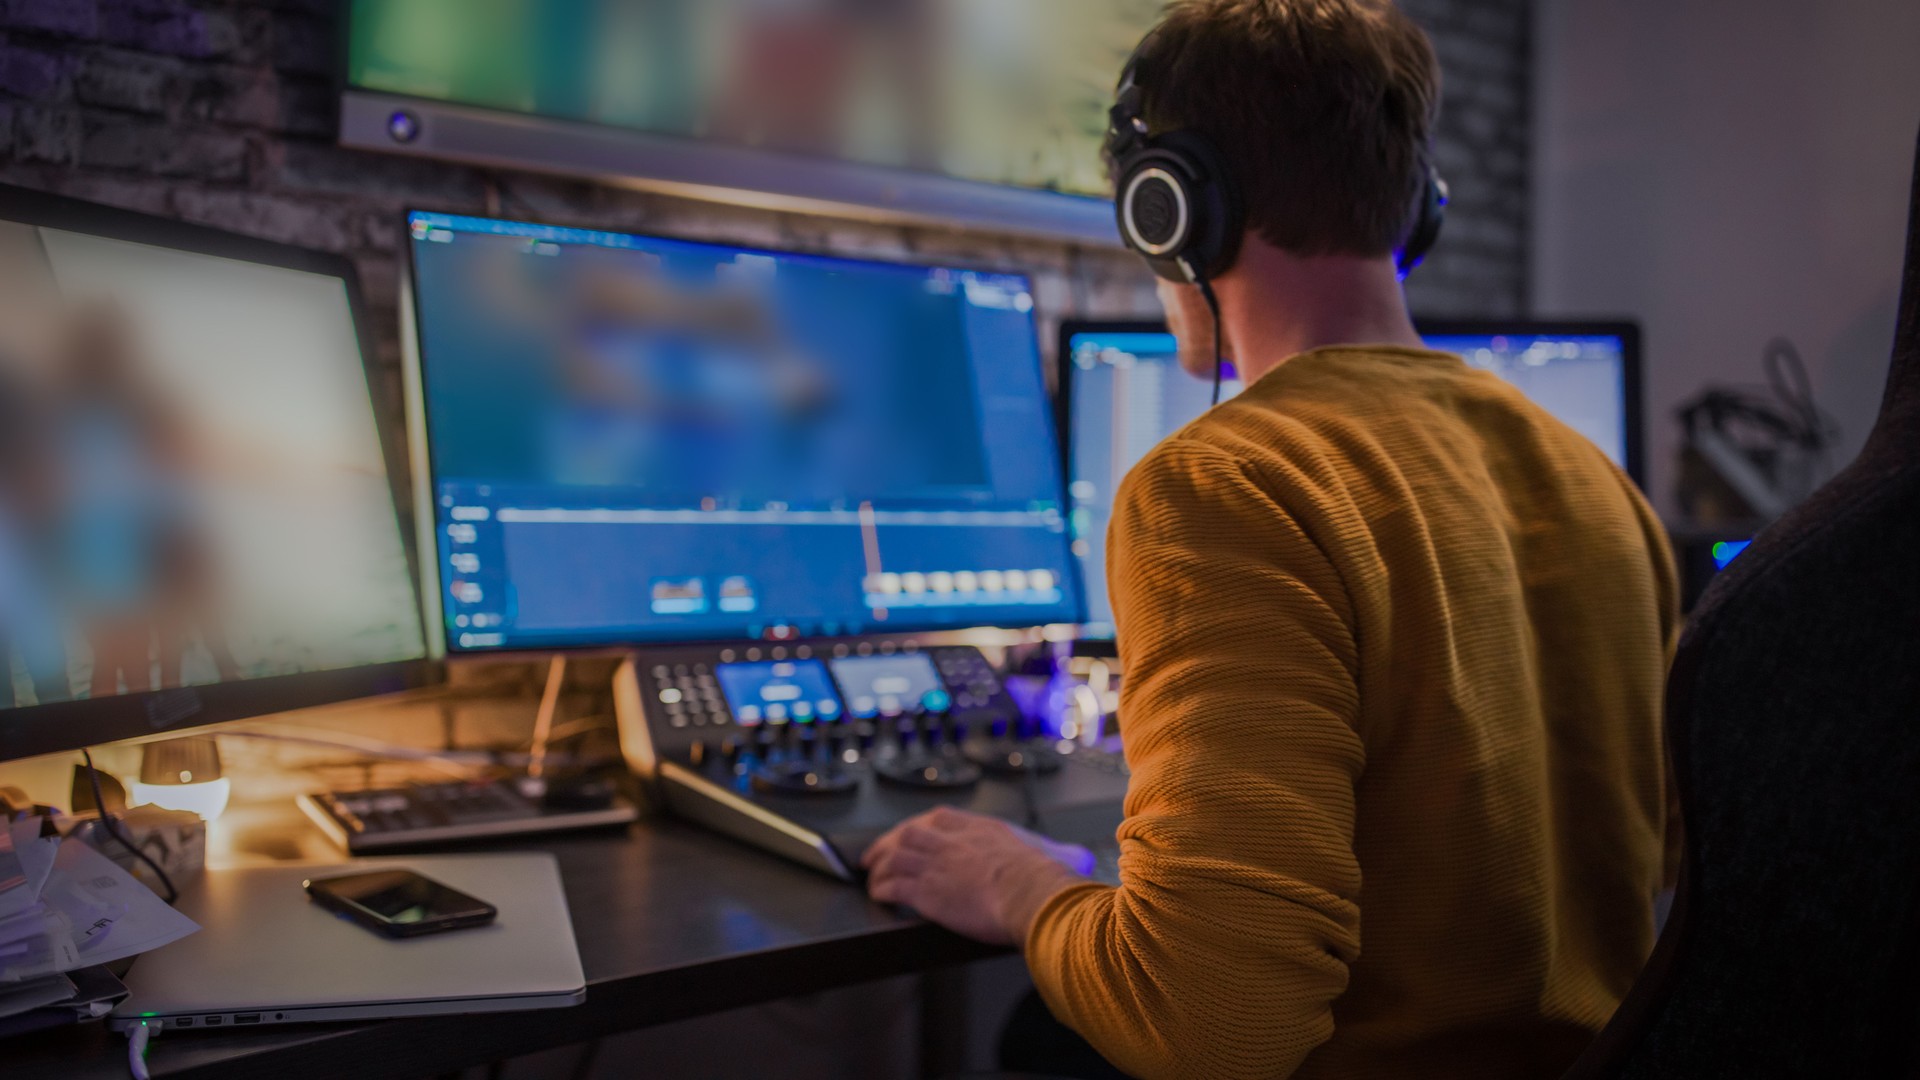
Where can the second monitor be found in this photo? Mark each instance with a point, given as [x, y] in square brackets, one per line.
[636, 439]
[1122, 391]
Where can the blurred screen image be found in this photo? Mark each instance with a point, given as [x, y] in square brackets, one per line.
[1002, 91]
[192, 488]
[637, 438]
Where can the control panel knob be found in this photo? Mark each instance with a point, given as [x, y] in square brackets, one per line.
[865, 735]
[730, 749]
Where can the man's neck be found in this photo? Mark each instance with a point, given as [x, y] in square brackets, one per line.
[1274, 306]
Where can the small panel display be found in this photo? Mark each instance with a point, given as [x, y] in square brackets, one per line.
[890, 685]
[777, 691]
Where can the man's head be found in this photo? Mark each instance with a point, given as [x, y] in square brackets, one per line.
[1320, 112]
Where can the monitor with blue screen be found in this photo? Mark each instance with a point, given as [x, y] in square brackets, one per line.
[1122, 391]
[636, 439]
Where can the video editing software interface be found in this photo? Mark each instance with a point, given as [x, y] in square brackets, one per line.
[1129, 393]
[639, 439]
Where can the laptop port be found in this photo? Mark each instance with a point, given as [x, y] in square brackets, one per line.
[214, 1021]
[246, 1018]
[185, 1021]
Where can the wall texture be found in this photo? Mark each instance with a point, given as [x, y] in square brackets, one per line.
[1728, 176]
[222, 112]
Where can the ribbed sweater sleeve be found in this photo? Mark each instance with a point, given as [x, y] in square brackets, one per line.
[1230, 934]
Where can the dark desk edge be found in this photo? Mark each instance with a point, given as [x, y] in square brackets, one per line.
[407, 1049]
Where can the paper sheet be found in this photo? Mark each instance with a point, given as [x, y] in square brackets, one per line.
[90, 912]
[25, 861]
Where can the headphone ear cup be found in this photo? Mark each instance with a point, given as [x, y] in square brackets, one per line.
[1219, 216]
[1153, 205]
[1176, 208]
[1426, 227]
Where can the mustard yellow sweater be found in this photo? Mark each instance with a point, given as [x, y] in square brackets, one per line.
[1394, 642]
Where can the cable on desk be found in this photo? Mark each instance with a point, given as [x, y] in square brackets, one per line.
[137, 1039]
[113, 830]
[1030, 795]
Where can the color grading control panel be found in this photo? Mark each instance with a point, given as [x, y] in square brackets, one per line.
[812, 750]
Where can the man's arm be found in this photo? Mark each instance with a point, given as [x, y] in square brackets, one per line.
[1224, 946]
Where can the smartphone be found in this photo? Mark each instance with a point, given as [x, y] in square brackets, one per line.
[399, 903]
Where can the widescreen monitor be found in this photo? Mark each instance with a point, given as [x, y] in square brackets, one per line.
[634, 439]
[983, 112]
[196, 516]
[1122, 392]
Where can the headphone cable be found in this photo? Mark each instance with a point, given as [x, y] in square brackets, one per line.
[1213, 307]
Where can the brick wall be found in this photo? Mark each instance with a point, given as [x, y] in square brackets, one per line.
[1484, 148]
[222, 112]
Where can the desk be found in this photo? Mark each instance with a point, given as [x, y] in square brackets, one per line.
[672, 922]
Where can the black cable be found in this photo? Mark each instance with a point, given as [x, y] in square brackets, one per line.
[505, 191]
[1788, 378]
[1213, 306]
[113, 830]
[1030, 795]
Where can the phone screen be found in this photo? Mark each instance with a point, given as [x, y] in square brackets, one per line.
[402, 898]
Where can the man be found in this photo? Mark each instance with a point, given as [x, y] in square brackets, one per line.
[1393, 642]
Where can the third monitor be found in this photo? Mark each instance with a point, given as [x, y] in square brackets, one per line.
[1122, 391]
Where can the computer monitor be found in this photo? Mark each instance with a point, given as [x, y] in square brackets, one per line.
[1587, 374]
[196, 519]
[636, 439]
[1122, 391]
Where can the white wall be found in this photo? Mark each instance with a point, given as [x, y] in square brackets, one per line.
[1728, 171]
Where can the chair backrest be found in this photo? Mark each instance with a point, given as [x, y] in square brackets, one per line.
[1794, 722]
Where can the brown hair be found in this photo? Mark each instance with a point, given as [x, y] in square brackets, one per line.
[1321, 110]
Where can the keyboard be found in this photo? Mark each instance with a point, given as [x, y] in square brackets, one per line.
[420, 815]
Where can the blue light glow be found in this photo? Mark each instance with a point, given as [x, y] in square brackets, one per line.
[1726, 551]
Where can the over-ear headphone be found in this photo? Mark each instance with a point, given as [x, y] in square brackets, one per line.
[1426, 226]
[1177, 205]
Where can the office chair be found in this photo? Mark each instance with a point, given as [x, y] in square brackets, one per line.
[1794, 721]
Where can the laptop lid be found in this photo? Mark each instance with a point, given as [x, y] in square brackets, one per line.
[267, 954]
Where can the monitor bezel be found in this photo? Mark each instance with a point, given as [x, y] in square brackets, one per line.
[31, 730]
[1626, 330]
[415, 359]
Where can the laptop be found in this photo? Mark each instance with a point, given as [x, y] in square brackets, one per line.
[266, 954]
